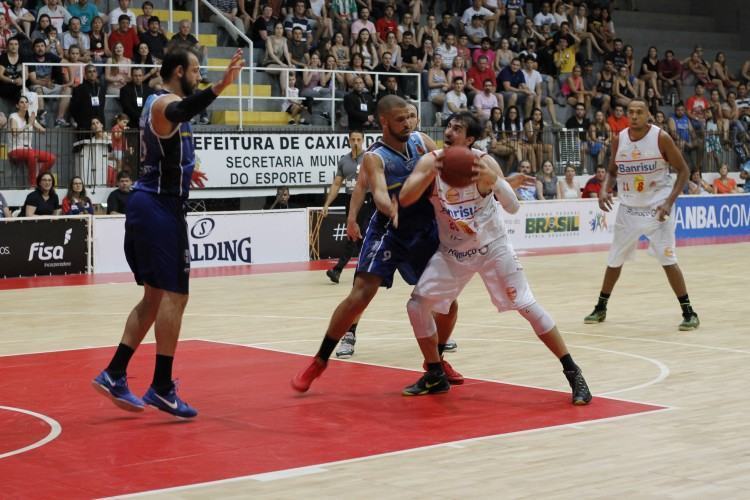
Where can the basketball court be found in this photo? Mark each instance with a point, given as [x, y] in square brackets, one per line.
[668, 416]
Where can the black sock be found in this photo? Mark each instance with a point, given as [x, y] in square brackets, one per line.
[435, 368]
[568, 364]
[353, 329]
[687, 309]
[441, 348]
[602, 304]
[120, 360]
[162, 382]
[326, 348]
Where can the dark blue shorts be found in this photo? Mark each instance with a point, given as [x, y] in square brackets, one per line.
[156, 241]
[384, 251]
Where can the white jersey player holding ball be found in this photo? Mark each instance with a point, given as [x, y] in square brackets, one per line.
[641, 157]
[473, 240]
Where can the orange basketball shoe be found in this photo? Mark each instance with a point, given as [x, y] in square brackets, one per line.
[451, 374]
[304, 379]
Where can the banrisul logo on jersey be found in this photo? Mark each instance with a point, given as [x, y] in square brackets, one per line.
[216, 239]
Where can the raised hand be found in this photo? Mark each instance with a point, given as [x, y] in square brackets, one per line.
[230, 75]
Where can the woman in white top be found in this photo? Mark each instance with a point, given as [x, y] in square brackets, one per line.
[407, 24]
[391, 45]
[581, 30]
[20, 141]
[117, 76]
[561, 12]
[569, 188]
[365, 47]
[277, 55]
[429, 30]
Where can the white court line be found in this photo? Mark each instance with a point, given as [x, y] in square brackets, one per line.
[453, 444]
[54, 431]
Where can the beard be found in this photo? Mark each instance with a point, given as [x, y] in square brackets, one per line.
[186, 87]
[401, 136]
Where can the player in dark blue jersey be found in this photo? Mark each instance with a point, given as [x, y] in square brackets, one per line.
[397, 239]
[156, 242]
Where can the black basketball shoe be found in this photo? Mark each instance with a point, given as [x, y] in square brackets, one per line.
[429, 383]
[580, 390]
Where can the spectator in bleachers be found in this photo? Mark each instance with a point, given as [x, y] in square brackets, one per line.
[407, 24]
[150, 65]
[715, 104]
[340, 51]
[605, 85]
[529, 32]
[562, 12]
[484, 142]
[428, 30]
[362, 22]
[623, 91]
[594, 184]
[458, 70]
[391, 46]
[185, 39]
[228, 20]
[98, 43]
[292, 105]
[745, 72]
[599, 139]
[684, 135]
[476, 32]
[88, 100]
[120, 144]
[485, 49]
[652, 102]
[263, 27]
[21, 126]
[649, 71]
[321, 21]
[568, 188]
[513, 135]
[45, 79]
[117, 201]
[580, 122]
[447, 50]
[390, 87]
[73, 72]
[123, 10]
[514, 9]
[725, 184]
[696, 184]
[455, 99]
[365, 47]
[340, 78]
[117, 76]
[503, 56]
[546, 182]
[385, 66]
[316, 84]
[58, 15]
[43, 200]
[476, 77]
[410, 63]
[76, 201]
[133, 95]
[281, 202]
[426, 54]
[660, 120]
[437, 83]
[21, 17]
[701, 72]
[716, 137]
[11, 80]
[53, 42]
[633, 70]
[360, 72]
[74, 36]
[544, 16]
[720, 71]
[535, 83]
[512, 86]
[84, 11]
[696, 108]
[344, 13]
[476, 9]
[527, 192]
[39, 30]
[618, 121]
[580, 29]
[565, 60]
[298, 20]
[387, 23]
[539, 150]
[360, 106]
[5, 212]
[670, 74]
[277, 55]
[141, 21]
[298, 49]
[125, 35]
[575, 91]
[154, 38]
[486, 101]
[617, 54]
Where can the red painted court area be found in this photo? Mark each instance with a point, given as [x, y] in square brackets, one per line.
[251, 421]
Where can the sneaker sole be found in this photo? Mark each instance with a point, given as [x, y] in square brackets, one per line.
[581, 402]
[120, 403]
[687, 328]
[344, 356]
[299, 388]
[426, 392]
[178, 417]
[592, 321]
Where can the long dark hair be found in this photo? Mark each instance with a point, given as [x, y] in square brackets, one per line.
[39, 182]
[508, 125]
[69, 195]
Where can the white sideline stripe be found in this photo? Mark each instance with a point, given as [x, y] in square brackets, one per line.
[218, 482]
[54, 431]
[285, 474]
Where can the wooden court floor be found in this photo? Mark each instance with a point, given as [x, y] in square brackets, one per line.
[700, 448]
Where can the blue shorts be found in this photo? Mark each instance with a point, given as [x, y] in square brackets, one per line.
[384, 251]
[156, 241]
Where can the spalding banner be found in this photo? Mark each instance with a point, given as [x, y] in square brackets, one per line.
[43, 246]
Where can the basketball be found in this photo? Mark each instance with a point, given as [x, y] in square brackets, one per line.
[457, 164]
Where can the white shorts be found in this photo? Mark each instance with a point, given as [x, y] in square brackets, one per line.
[449, 271]
[632, 223]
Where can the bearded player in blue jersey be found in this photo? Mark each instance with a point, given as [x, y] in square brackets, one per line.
[156, 241]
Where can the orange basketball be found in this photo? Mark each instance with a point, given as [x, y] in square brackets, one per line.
[457, 164]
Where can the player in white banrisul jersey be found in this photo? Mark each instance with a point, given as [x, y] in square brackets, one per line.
[641, 157]
[473, 241]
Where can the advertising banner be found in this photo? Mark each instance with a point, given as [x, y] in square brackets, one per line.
[43, 246]
[217, 239]
[712, 216]
[271, 160]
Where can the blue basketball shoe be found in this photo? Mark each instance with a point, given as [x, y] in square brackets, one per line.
[117, 391]
[169, 403]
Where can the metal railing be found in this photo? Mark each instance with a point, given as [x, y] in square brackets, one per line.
[196, 22]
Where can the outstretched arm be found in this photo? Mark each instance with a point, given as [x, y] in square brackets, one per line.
[419, 180]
